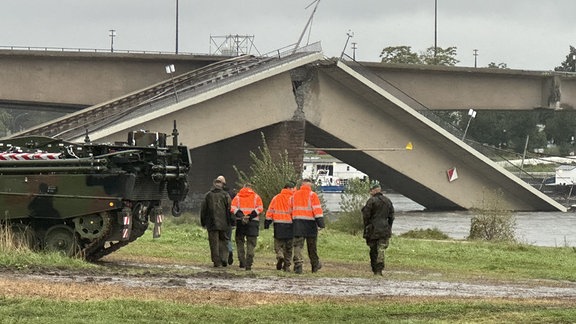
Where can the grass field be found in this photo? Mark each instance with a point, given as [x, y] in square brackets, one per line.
[184, 243]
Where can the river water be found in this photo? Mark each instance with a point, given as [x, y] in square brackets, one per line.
[555, 229]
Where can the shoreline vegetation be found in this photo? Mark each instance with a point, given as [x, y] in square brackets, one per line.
[183, 252]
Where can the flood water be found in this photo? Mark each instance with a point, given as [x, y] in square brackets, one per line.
[554, 229]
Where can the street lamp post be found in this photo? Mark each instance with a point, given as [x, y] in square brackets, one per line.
[176, 26]
[475, 58]
[350, 34]
[170, 70]
[472, 114]
[435, 29]
[112, 34]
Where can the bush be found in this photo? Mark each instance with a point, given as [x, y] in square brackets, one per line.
[493, 223]
[493, 226]
[426, 234]
[353, 199]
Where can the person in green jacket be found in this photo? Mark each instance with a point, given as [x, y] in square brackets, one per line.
[215, 216]
[378, 215]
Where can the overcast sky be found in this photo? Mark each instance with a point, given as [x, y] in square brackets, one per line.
[524, 34]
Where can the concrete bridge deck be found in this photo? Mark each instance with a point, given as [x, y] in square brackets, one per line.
[69, 81]
[325, 103]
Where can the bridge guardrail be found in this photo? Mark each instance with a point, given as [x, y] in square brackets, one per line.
[93, 50]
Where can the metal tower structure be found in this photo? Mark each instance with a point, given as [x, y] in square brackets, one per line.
[233, 45]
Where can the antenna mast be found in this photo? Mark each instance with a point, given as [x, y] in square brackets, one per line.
[307, 24]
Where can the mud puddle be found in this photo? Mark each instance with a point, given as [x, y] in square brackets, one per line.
[209, 279]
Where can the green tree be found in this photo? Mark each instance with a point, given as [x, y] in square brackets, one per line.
[561, 128]
[439, 56]
[268, 174]
[354, 197]
[569, 64]
[490, 127]
[520, 126]
[399, 54]
[404, 54]
[507, 129]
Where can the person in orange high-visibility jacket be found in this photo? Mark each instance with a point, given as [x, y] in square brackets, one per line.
[280, 213]
[307, 216]
[247, 206]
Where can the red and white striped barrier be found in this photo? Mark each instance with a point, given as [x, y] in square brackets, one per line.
[29, 156]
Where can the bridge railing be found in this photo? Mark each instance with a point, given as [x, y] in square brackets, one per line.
[292, 49]
[279, 53]
[93, 50]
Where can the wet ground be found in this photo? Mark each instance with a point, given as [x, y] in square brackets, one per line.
[193, 282]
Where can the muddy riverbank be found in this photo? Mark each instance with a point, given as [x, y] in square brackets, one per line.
[119, 276]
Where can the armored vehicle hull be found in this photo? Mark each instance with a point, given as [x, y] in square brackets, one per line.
[89, 199]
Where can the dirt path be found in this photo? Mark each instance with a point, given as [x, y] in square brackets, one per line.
[229, 284]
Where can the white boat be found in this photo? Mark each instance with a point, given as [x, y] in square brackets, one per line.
[328, 183]
[330, 174]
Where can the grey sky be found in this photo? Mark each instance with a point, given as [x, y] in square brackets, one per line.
[524, 34]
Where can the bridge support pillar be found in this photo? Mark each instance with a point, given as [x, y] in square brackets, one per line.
[219, 158]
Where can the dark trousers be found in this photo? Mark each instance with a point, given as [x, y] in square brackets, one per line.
[229, 244]
[218, 247]
[245, 246]
[377, 253]
[283, 249]
[312, 251]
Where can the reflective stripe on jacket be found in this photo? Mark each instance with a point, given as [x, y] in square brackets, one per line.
[247, 201]
[306, 204]
[307, 214]
[279, 210]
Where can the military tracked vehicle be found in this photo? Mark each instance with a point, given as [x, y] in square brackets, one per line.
[89, 199]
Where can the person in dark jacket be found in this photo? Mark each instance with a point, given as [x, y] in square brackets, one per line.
[378, 215]
[215, 216]
[232, 194]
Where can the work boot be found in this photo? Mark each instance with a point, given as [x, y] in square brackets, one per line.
[298, 268]
[230, 258]
[279, 264]
[317, 267]
[242, 264]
